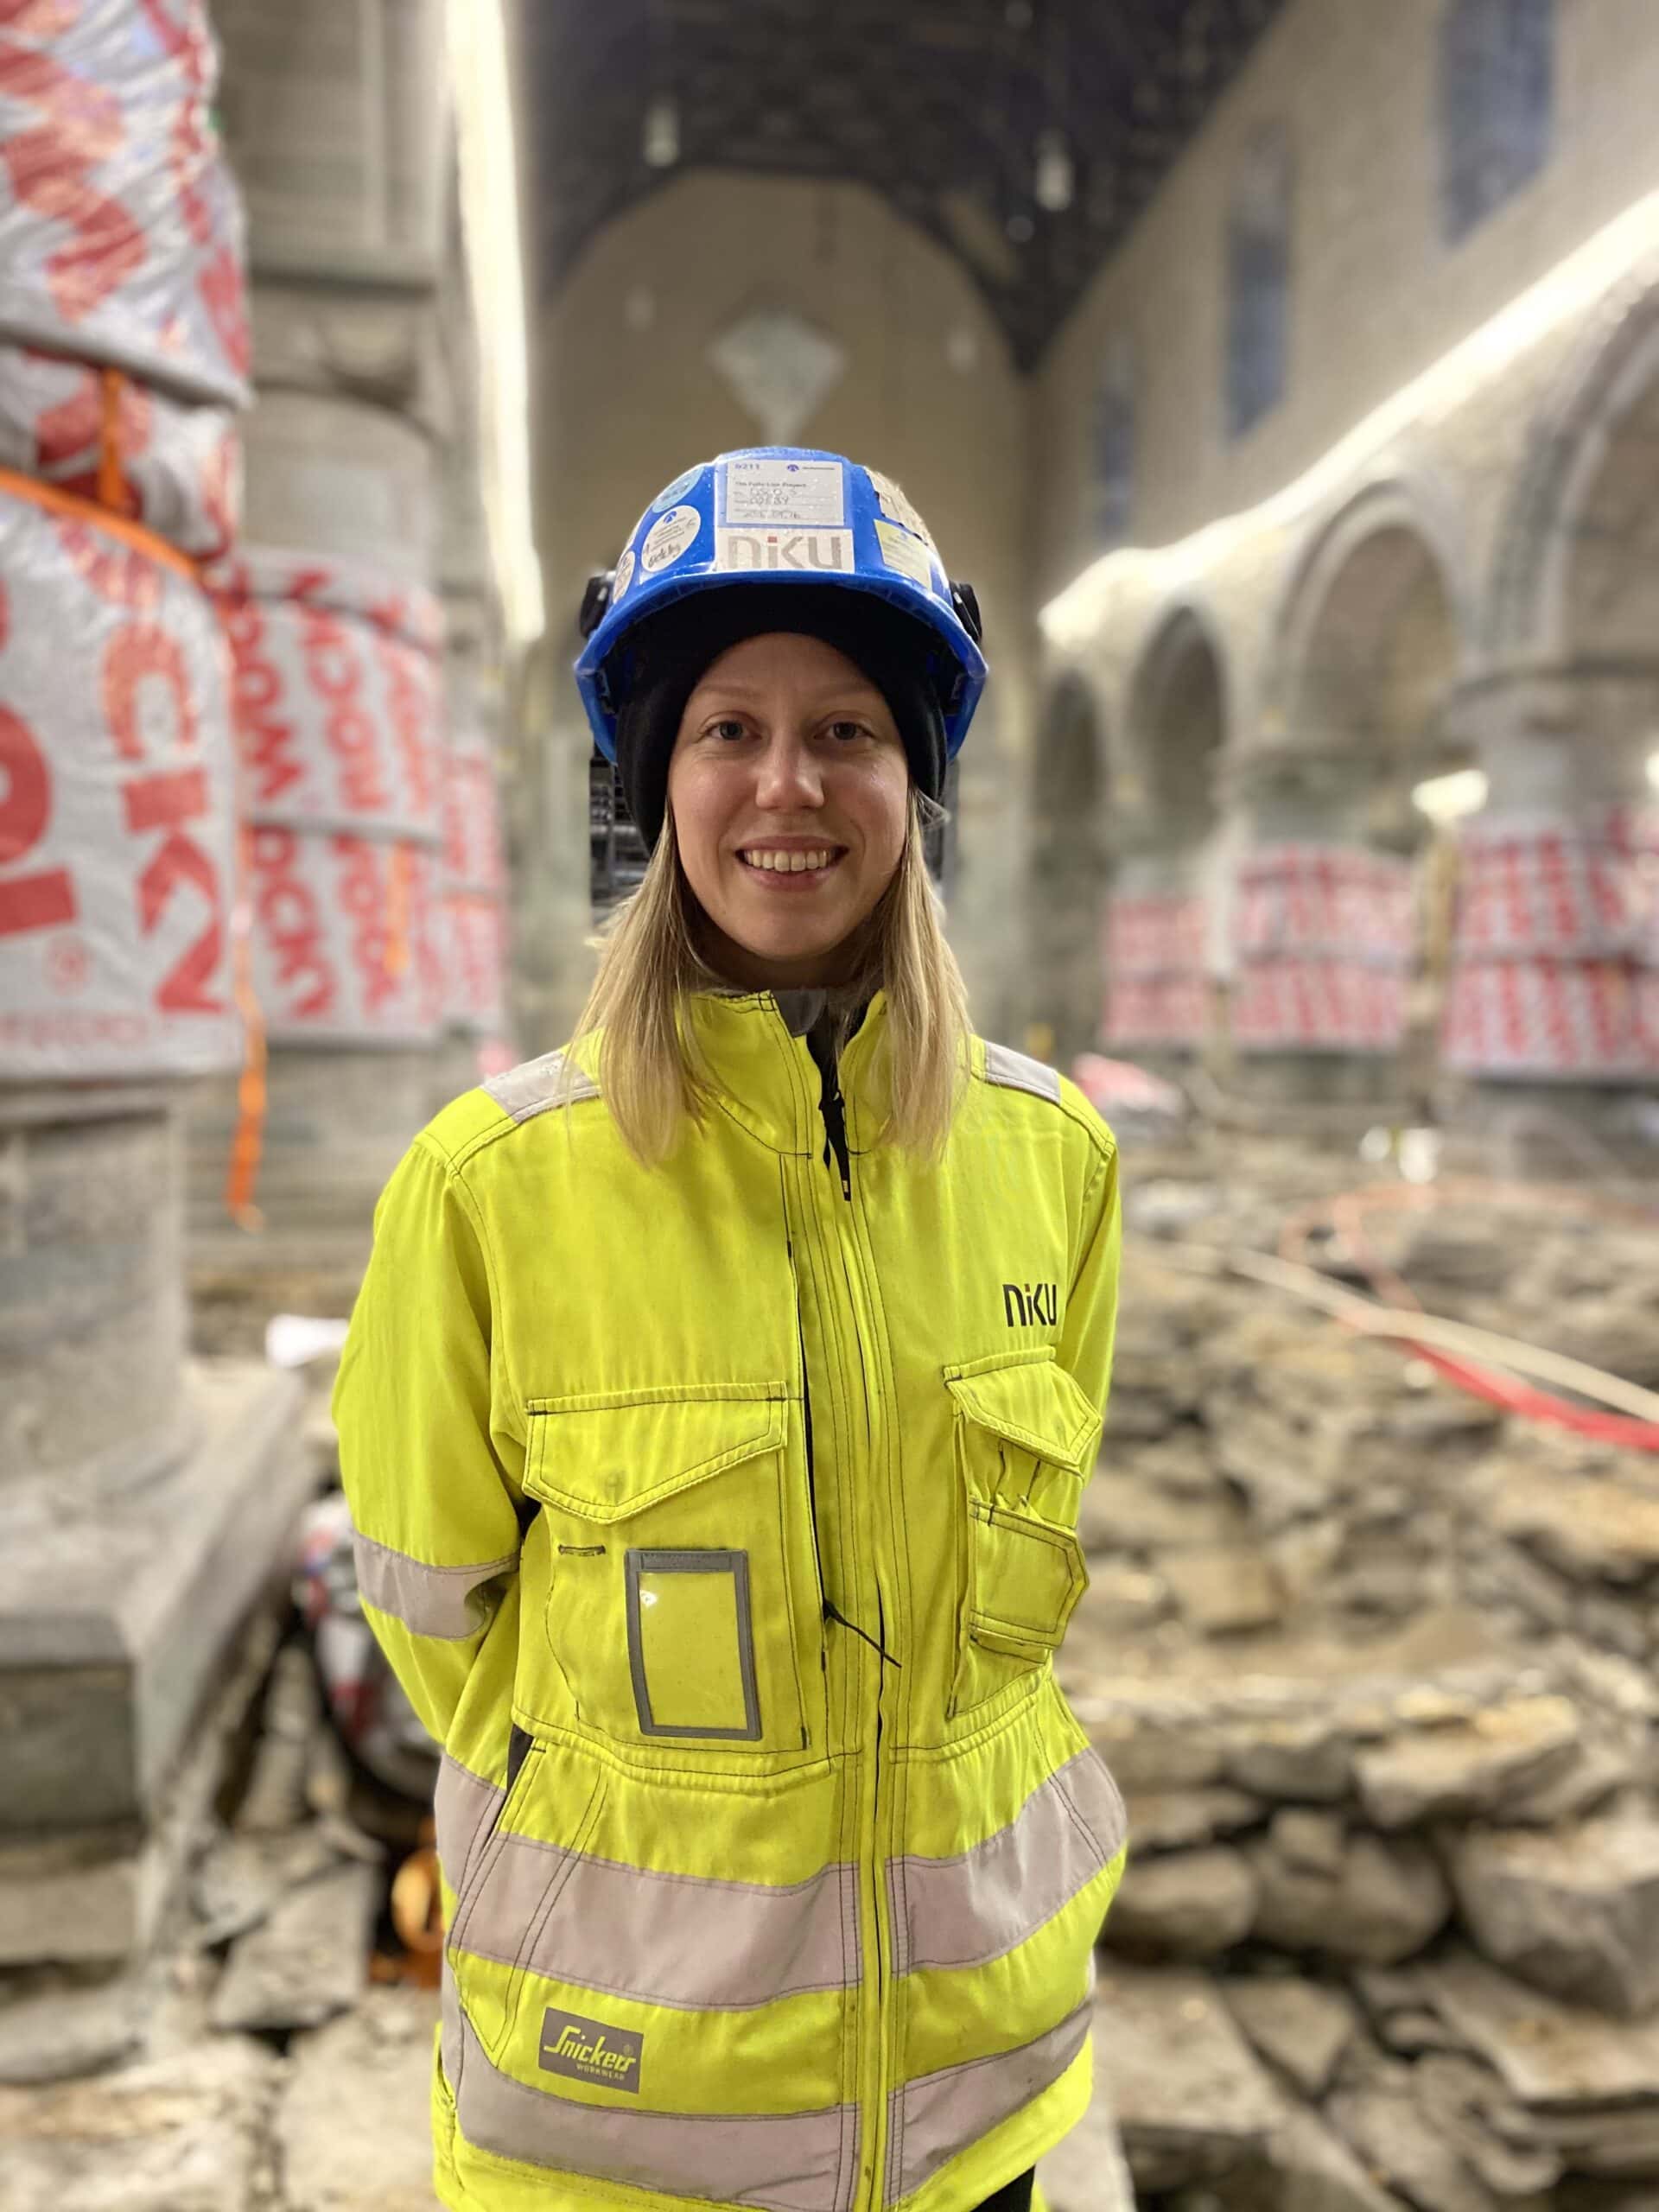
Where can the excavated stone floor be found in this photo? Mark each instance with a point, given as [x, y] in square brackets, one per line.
[1372, 1661]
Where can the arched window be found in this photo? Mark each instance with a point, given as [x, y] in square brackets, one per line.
[1258, 281]
[1113, 478]
[1497, 92]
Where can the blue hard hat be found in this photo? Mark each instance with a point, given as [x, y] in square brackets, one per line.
[775, 515]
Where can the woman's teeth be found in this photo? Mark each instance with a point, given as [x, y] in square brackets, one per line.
[788, 863]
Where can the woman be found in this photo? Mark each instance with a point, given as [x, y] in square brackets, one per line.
[714, 1418]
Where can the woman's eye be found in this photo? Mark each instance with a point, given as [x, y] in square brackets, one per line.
[845, 732]
[727, 727]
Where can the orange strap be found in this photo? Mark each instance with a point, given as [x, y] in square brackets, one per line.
[112, 485]
[248, 1143]
[398, 911]
[56, 501]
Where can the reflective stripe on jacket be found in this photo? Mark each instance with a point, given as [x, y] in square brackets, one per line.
[720, 1521]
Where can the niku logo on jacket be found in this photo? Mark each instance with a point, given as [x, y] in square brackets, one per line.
[588, 2050]
[1025, 1302]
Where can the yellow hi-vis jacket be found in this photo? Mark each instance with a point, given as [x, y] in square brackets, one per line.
[720, 1521]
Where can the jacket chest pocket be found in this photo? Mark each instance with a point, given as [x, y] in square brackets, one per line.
[1025, 1433]
[671, 1605]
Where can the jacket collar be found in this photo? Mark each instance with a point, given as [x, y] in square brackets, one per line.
[765, 1076]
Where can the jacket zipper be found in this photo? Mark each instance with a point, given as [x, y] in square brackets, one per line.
[811, 1468]
[833, 1110]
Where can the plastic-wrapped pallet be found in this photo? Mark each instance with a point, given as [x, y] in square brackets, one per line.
[172, 466]
[116, 808]
[474, 888]
[1324, 940]
[120, 228]
[1555, 969]
[1158, 993]
[338, 721]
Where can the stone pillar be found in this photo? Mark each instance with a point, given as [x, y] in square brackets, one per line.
[1552, 1005]
[1321, 930]
[142, 1500]
[339, 631]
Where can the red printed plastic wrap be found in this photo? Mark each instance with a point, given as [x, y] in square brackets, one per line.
[1318, 1005]
[117, 811]
[1336, 900]
[1324, 939]
[475, 964]
[121, 230]
[1582, 888]
[344, 943]
[338, 696]
[338, 721]
[1556, 966]
[1157, 992]
[471, 824]
[173, 467]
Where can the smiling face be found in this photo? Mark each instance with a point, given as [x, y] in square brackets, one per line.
[789, 793]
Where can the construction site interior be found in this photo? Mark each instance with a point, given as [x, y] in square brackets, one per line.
[1284, 374]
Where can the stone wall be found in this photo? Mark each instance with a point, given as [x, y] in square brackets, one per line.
[1372, 1662]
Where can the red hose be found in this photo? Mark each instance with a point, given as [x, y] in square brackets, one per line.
[1493, 1384]
[1517, 1397]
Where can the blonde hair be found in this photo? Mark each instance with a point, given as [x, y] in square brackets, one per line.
[652, 1073]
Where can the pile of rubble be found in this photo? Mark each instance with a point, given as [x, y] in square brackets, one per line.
[249, 2057]
[1369, 1660]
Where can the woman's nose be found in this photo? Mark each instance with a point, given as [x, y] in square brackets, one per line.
[789, 776]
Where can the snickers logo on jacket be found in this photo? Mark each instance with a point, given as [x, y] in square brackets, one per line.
[589, 2051]
[1025, 1302]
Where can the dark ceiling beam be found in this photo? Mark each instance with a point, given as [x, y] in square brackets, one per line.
[933, 105]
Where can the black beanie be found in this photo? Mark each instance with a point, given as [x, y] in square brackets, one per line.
[662, 661]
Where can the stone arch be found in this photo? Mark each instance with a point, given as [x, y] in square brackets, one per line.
[1069, 862]
[1373, 633]
[1176, 728]
[1165, 926]
[1376, 629]
[1529, 619]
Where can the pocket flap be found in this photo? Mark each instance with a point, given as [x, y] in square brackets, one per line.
[1033, 1402]
[608, 1460]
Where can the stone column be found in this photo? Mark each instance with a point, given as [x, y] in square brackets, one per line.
[1553, 1006]
[143, 1499]
[1321, 930]
[348, 238]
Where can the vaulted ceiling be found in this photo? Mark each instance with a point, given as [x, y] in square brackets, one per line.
[1025, 135]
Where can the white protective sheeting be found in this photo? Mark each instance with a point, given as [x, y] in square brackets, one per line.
[121, 233]
[117, 811]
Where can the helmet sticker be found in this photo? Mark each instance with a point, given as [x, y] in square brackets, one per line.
[675, 491]
[624, 576]
[894, 503]
[798, 551]
[668, 538]
[806, 492]
[907, 555]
